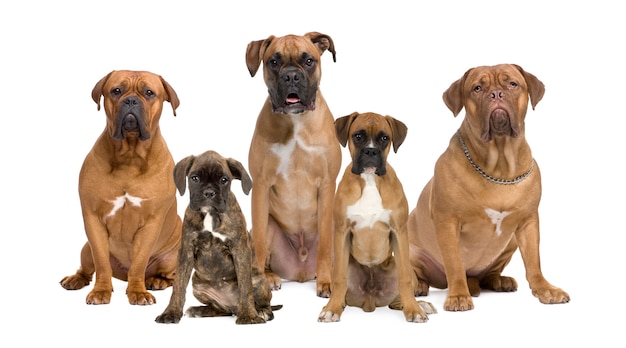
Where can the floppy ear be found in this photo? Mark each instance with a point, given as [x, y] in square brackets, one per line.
[171, 95]
[323, 43]
[181, 169]
[342, 127]
[96, 92]
[453, 96]
[399, 130]
[255, 52]
[536, 88]
[239, 172]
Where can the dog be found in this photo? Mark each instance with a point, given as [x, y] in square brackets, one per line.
[371, 248]
[127, 196]
[294, 160]
[481, 204]
[216, 245]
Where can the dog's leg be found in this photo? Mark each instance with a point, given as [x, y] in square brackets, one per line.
[174, 311]
[459, 298]
[242, 258]
[528, 239]
[324, 246]
[337, 301]
[259, 232]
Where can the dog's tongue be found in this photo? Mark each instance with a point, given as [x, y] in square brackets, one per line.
[292, 100]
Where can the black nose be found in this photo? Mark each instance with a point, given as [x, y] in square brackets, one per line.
[209, 194]
[371, 151]
[291, 75]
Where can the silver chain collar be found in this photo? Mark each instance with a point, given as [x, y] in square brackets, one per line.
[489, 177]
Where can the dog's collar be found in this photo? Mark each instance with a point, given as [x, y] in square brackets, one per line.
[489, 177]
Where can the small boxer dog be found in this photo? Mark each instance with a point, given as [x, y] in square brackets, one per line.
[482, 201]
[294, 161]
[371, 248]
[127, 194]
[215, 244]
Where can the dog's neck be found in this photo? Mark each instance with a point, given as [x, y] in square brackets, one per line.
[209, 224]
[486, 175]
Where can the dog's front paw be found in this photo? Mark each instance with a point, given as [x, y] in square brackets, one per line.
[328, 316]
[141, 298]
[169, 317]
[419, 313]
[458, 303]
[97, 297]
[249, 319]
[323, 289]
[551, 295]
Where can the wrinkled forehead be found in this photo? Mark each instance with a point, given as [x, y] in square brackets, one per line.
[371, 124]
[134, 79]
[492, 75]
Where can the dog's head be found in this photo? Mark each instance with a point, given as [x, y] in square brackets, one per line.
[210, 176]
[369, 137]
[291, 68]
[133, 101]
[495, 99]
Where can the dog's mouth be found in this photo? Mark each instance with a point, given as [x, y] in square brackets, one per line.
[369, 170]
[499, 123]
[130, 124]
[293, 104]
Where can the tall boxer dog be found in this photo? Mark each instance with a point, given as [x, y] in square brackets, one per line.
[482, 201]
[371, 247]
[294, 160]
[216, 245]
[127, 194]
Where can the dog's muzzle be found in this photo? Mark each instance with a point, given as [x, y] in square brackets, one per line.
[293, 95]
[130, 119]
[369, 159]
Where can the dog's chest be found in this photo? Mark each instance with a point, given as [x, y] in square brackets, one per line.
[369, 208]
[297, 147]
[208, 227]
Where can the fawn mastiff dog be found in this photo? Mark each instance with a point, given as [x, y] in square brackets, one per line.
[215, 246]
[481, 204]
[294, 160]
[371, 247]
[127, 193]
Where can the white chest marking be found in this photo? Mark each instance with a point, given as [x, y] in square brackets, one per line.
[120, 201]
[285, 151]
[208, 226]
[369, 208]
[496, 218]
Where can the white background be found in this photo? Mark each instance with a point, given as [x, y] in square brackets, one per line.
[391, 59]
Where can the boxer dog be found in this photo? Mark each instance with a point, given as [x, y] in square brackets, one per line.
[127, 194]
[481, 204]
[215, 244]
[371, 247]
[294, 160]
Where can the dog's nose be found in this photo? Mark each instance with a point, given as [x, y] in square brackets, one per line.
[291, 75]
[209, 194]
[497, 94]
[370, 151]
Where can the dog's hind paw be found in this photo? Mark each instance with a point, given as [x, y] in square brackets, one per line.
[75, 282]
[328, 317]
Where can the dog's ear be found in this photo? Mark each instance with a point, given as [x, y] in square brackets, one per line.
[342, 128]
[453, 96]
[536, 88]
[399, 130]
[96, 92]
[323, 43]
[172, 97]
[255, 52]
[181, 169]
[239, 172]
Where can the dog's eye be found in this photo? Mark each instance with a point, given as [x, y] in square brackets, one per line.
[309, 62]
[224, 180]
[513, 84]
[273, 63]
[150, 93]
[384, 139]
[116, 91]
[194, 178]
[357, 138]
[478, 89]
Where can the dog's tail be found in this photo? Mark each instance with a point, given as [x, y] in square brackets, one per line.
[276, 307]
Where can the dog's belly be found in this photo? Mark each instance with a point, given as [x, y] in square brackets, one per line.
[370, 236]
